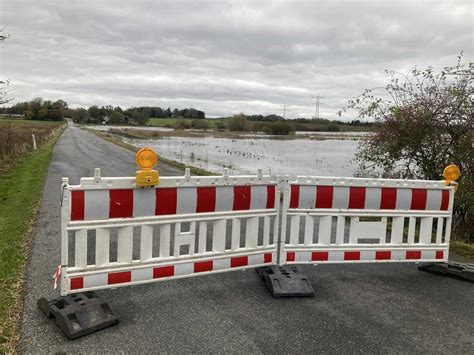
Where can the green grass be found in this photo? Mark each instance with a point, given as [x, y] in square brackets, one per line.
[20, 192]
[163, 122]
[462, 249]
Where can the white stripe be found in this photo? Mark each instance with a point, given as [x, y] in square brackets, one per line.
[186, 200]
[144, 201]
[428, 254]
[224, 198]
[303, 256]
[258, 197]
[341, 197]
[336, 256]
[183, 269]
[403, 199]
[96, 204]
[373, 196]
[95, 280]
[142, 274]
[256, 259]
[221, 264]
[367, 255]
[307, 197]
[433, 200]
[398, 255]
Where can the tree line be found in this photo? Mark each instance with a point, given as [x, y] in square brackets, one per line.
[46, 110]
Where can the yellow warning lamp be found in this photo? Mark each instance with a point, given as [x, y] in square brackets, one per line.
[146, 158]
[451, 173]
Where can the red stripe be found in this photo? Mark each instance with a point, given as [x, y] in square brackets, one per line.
[271, 196]
[439, 254]
[203, 266]
[165, 201]
[206, 199]
[239, 261]
[77, 205]
[413, 255]
[352, 255]
[267, 258]
[418, 199]
[324, 196]
[164, 271]
[357, 197]
[290, 256]
[242, 198]
[444, 200]
[319, 256]
[388, 200]
[295, 196]
[383, 255]
[121, 203]
[119, 277]
[77, 283]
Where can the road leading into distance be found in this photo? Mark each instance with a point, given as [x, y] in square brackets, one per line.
[382, 308]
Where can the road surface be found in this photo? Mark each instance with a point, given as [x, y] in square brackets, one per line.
[383, 308]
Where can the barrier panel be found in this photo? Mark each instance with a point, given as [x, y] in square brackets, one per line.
[114, 233]
[351, 220]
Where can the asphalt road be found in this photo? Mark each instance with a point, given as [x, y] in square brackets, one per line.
[383, 308]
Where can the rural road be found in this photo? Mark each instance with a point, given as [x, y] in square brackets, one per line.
[383, 308]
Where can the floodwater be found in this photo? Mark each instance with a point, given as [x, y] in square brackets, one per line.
[328, 157]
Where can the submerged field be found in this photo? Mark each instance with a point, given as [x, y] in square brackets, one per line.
[325, 154]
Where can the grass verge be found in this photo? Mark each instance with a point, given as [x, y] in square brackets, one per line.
[462, 249]
[118, 141]
[20, 193]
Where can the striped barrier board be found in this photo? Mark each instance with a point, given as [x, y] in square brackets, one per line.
[184, 227]
[130, 203]
[114, 233]
[350, 220]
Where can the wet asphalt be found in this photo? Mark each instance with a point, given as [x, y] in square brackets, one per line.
[382, 308]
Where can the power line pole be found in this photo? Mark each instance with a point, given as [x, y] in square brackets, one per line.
[316, 105]
[284, 108]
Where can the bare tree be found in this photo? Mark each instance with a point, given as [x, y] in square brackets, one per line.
[4, 98]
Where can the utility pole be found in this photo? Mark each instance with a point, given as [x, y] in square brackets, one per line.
[316, 105]
[284, 110]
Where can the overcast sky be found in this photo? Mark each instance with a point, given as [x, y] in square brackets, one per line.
[223, 58]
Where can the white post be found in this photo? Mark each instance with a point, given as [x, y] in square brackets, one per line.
[34, 141]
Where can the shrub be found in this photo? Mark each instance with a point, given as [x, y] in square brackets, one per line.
[200, 124]
[238, 123]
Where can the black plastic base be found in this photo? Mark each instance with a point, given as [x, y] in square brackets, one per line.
[463, 271]
[285, 281]
[78, 314]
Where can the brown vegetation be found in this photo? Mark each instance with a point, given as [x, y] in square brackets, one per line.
[16, 136]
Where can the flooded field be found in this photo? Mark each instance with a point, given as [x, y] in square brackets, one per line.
[329, 157]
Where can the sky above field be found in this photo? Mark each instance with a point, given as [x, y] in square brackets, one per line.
[224, 57]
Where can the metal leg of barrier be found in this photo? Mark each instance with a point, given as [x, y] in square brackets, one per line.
[78, 314]
[285, 281]
[458, 270]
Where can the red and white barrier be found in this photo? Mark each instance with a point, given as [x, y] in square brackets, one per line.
[346, 220]
[129, 203]
[186, 226]
[189, 226]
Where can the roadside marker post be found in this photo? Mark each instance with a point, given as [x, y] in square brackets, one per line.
[146, 229]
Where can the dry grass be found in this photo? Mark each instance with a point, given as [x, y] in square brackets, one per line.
[16, 136]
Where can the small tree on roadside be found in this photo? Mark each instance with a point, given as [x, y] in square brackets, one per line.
[4, 97]
[423, 122]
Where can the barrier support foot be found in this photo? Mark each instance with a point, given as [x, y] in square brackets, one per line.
[78, 314]
[285, 281]
[458, 270]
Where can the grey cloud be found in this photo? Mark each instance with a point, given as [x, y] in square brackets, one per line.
[224, 57]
